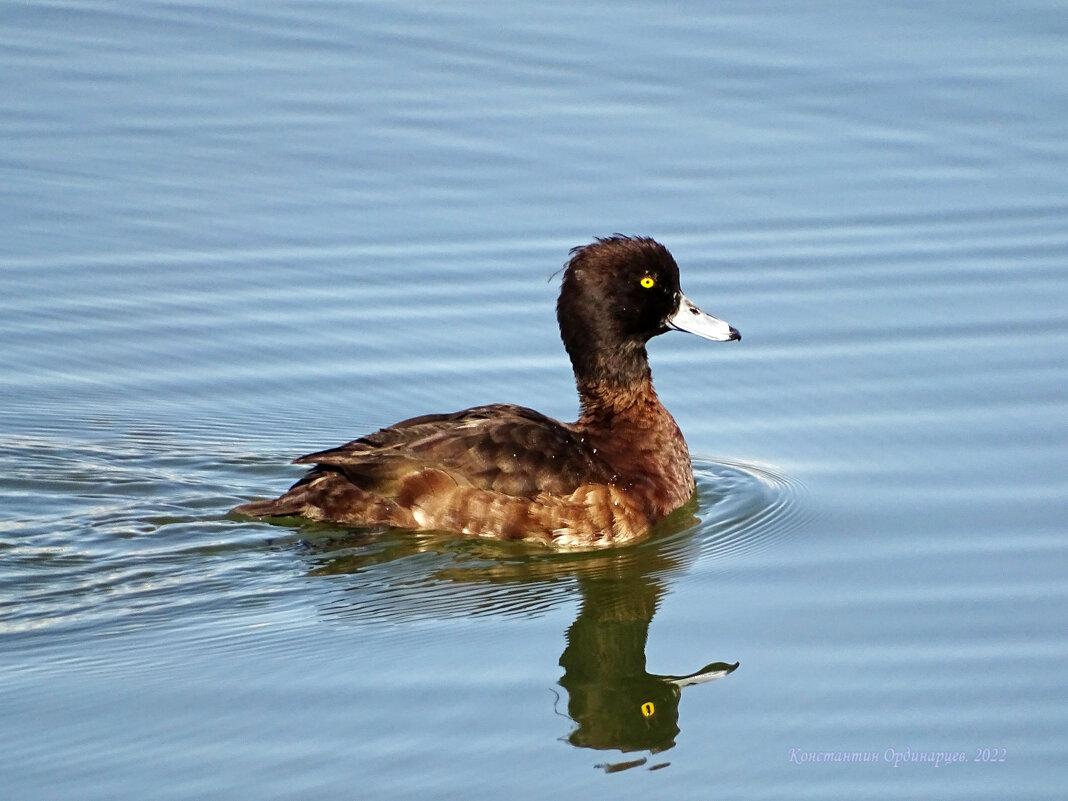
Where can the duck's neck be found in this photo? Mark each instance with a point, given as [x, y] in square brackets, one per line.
[610, 406]
[615, 387]
[628, 426]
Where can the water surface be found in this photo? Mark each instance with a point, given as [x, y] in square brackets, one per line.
[233, 236]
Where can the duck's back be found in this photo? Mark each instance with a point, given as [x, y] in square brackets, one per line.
[500, 448]
[482, 467]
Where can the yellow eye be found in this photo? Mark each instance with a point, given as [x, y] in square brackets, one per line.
[648, 282]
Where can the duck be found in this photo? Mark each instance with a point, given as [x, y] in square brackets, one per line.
[507, 472]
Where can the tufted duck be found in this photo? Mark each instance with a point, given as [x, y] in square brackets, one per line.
[507, 472]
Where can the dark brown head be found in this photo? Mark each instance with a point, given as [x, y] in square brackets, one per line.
[618, 293]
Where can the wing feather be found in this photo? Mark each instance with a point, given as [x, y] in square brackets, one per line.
[503, 448]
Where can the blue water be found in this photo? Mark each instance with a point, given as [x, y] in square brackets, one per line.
[230, 236]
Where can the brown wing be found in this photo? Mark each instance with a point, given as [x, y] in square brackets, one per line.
[503, 448]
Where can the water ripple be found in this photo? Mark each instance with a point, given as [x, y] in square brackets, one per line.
[120, 534]
[135, 533]
[745, 507]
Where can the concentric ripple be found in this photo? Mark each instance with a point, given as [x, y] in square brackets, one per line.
[744, 507]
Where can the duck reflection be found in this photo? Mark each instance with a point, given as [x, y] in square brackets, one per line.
[614, 701]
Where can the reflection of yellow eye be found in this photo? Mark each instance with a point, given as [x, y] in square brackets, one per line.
[648, 282]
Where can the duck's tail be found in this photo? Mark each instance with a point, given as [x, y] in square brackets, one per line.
[276, 507]
[293, 502]
[326, 494]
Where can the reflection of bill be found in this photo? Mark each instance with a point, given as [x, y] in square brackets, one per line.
[614, 701]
